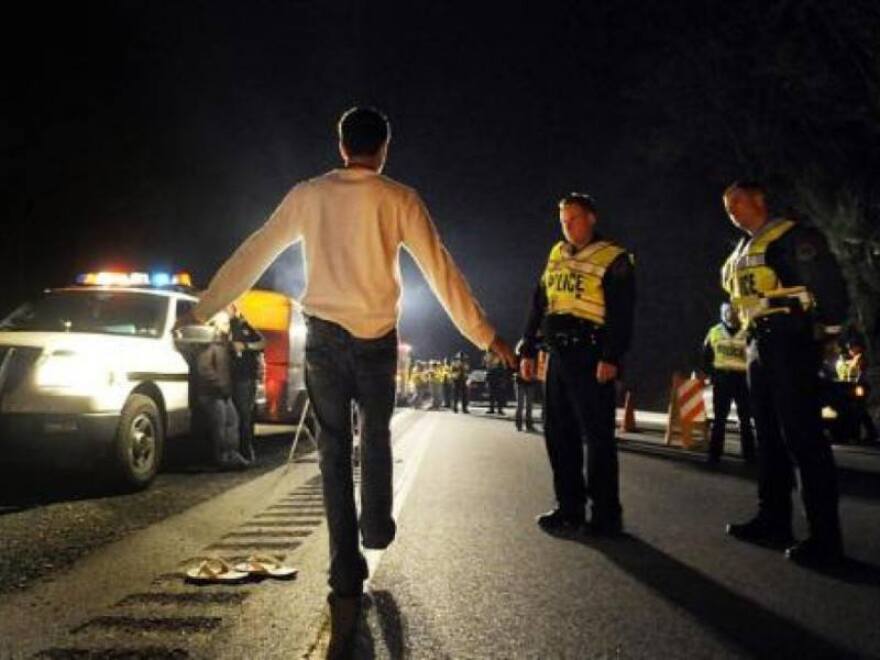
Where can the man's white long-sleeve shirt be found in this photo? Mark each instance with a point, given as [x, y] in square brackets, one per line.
[352, 223]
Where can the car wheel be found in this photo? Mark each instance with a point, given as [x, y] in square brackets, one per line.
[140, 440]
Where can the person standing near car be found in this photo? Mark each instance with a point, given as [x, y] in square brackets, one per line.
[352, 222]
[724, 360]
[582, 313]
[213, 392]
[247, 346]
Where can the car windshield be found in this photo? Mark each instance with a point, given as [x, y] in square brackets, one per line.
[103, 312]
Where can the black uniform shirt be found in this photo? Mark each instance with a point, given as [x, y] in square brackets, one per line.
[802, 257]
[244, 364]
[619, 287]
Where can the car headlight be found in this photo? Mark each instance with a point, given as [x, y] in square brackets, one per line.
[72, 371]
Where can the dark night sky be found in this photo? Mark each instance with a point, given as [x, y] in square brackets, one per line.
[159, 133]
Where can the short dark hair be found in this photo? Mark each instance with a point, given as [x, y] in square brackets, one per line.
[751, 186]
[585, 201]
[363, 131]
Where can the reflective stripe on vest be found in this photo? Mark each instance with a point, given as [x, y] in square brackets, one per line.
[729, 350]
[746, 276]
[573, 281]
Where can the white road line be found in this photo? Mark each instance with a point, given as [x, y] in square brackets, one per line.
[418, 438]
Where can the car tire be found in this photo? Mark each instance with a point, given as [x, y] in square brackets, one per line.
[139, 443]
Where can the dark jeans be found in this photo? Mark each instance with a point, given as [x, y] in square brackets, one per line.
[244, 393]
[730, 386]
[784, 387]
[579, 414]
[220, 423]
[340, 369]
[525, 396]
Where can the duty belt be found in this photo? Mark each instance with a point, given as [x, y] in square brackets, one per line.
[571, 339]
[781, 301]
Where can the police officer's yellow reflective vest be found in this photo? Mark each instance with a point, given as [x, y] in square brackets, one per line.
[849, 368]
[573, 280]
[729, 350]
[746, 276]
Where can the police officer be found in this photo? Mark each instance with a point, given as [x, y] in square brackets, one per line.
[447, 383]
[459, 372]
[247, 345]
[724, 359]
[789, 293]
[583, 310]
[853, 369]
[495, 381]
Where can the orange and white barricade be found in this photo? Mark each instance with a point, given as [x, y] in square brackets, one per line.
[687, 412]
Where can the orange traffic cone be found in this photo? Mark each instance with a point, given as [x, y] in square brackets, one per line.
[628, 423]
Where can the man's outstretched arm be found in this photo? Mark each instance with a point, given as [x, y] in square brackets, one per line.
[250, 260]
[422, 241]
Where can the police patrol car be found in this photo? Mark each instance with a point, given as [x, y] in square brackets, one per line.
[90, 374]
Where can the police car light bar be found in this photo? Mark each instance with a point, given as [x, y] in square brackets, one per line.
[157, 280]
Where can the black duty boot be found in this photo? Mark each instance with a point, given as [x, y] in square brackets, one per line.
[762, 531]
[559, 521]
[598, 526]
[345, 614]
[814, 551]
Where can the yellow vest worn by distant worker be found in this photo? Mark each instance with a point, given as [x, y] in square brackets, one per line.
[729, 350]
[750, 281]
[573, 280]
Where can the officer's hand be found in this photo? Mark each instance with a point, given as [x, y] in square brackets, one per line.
[503, 350]
[606, 372]
[527, 368]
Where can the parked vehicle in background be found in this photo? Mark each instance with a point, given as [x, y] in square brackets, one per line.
[478, 386]
[281, 393]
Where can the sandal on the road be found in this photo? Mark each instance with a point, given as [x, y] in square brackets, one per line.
[215, 571]
[266, 566]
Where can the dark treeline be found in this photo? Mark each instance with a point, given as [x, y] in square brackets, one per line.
[151, 135]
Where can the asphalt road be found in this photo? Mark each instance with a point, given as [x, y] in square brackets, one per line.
[50, 520]
[473, 577]
[470, 576]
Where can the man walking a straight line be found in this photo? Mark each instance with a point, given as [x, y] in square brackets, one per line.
[352, 222]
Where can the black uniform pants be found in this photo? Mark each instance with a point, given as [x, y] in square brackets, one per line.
[579, 415]
[244, 393]
[783, 368]
[497, 398]
[459, 394]
[730, 386]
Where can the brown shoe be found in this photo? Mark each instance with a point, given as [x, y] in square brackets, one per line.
[345, 613]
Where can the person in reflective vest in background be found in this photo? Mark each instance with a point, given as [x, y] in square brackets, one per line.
[582, 312]
[790, 295]
[853, 368]
[724, 360]
[459, 372]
